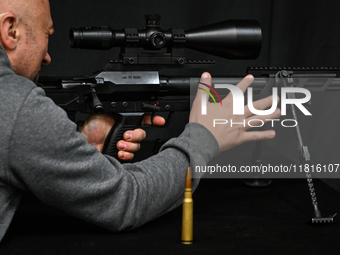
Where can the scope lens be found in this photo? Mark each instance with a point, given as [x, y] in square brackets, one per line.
[232, 39]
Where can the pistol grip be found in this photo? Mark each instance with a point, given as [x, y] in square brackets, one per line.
[123, 122]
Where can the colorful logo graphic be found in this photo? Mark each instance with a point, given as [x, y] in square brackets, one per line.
[208, 92]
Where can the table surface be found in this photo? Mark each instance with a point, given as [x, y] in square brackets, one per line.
[229, 218]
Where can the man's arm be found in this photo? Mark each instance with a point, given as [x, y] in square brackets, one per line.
[49, 158]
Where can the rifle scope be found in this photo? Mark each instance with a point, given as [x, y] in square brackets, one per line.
[232, 39]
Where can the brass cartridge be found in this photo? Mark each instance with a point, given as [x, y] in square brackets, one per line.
[187, 216]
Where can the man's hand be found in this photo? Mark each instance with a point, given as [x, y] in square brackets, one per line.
[228, 135]
[97, 127]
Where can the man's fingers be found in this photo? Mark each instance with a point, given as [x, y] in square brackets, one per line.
[123, 155]
[259, 120]
[130, 144]
[261, 104]
[203, 87]
[245, 83]
[127, 146]
[205, 83]
[134, 136]
[257, 135]
[157, 120]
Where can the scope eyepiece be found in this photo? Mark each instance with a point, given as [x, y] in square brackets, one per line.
[101, 38]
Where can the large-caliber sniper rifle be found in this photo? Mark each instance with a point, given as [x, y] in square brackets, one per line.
[132, 85]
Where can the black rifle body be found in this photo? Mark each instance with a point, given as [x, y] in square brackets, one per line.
[132, 94]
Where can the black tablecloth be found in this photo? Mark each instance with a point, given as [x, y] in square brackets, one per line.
[229, 218]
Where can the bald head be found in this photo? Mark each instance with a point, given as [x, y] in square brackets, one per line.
[25, 26]
[26, 11]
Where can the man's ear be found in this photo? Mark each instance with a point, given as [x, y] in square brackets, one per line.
[8, 33]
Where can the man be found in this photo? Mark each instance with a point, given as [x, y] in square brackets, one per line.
[42, 153]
